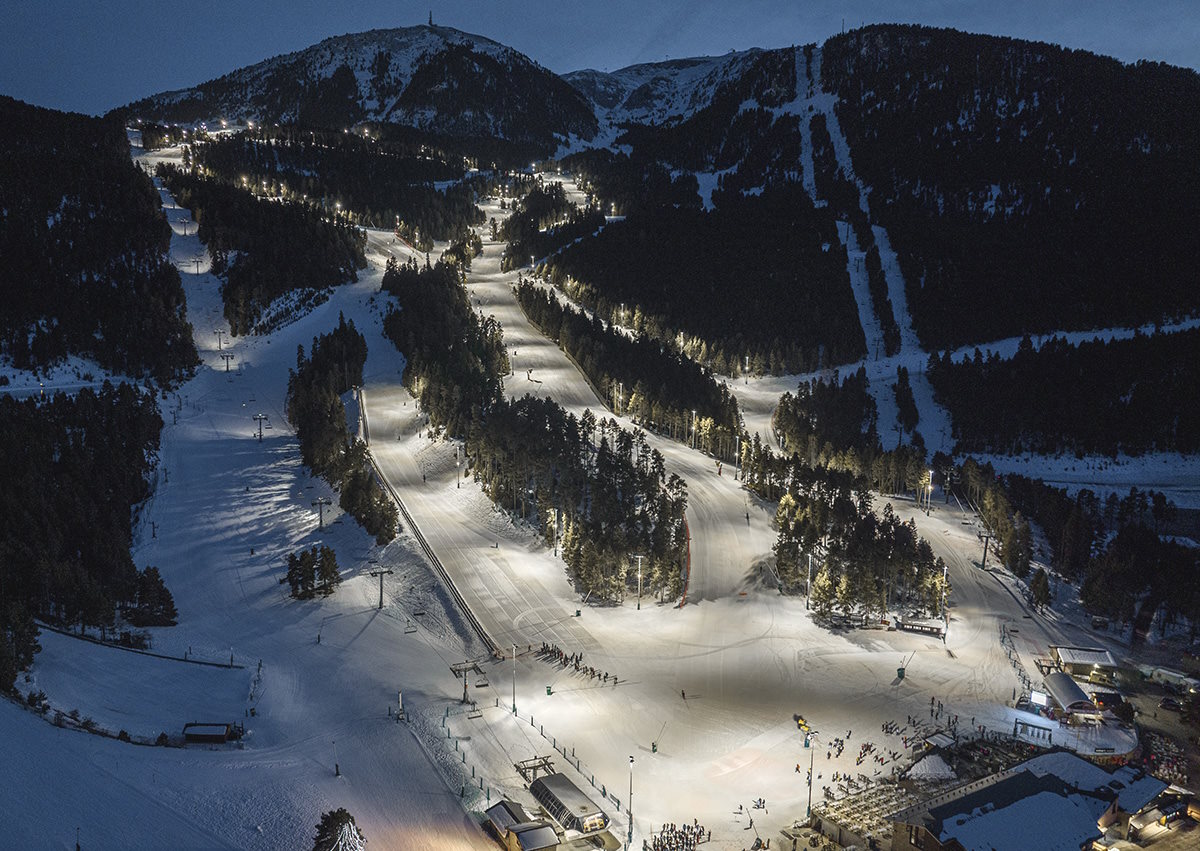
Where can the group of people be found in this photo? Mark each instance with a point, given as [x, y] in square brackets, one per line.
[936, 709]
[677, 837]
[836, 747]
[553, 653]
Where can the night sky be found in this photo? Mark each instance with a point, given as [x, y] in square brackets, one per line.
[92, 55]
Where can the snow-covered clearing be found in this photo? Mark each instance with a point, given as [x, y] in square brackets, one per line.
[1176, 475]
[70, 376]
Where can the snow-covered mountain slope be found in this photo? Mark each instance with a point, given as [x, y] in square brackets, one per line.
[654, 92]
[436, 79]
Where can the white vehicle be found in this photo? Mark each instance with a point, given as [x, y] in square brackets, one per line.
[1175, 680]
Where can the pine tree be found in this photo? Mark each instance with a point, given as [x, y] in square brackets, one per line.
[822, 595]
[337, 831]
[1039, 586]
[293, 574]
[155, 605]
[8, 664]
[328, 569]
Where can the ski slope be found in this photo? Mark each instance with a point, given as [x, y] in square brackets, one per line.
[714, 684]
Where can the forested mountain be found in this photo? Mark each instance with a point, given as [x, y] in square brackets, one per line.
[1025, 187]
[378, 182]
[740, 128]
[761, 276]
[83, 249]
[436, 79]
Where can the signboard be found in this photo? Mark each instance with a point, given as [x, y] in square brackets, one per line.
[1038, 698]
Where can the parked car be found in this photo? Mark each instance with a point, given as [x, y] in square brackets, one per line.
[1170, 703]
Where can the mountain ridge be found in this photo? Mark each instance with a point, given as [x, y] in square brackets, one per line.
[433, 78]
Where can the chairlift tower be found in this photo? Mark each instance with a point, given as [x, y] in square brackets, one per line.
[319, 503]
[381, 572]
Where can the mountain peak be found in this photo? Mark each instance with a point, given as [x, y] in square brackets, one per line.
[431, 77]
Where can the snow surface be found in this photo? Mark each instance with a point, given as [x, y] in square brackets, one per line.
[229, 509]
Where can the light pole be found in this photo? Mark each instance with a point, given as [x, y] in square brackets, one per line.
[629, 842]
[693, 429]
[457, 476]
[929, 494]
[945, 611]
[747, 369]
[808, 740]
[514, 679]
[737, 453]
[808, 583]
[639, 562]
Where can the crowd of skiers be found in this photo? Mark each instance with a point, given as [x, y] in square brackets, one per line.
[677, 837]
[555, 655]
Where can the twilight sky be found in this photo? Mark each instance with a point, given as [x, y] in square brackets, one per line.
[92, 55]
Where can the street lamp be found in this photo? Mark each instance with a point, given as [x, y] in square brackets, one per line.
[809, 737]
[945, 611]
[514, 679]
[457, 477]
[808, 583]
[639, 563]
[629, 842]
[929, 494]
[693, 429]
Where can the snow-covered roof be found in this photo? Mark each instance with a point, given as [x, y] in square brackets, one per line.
[1052, 802]
[197, 729]
[1045, 820]
[1132, 788]
[1084, 656]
